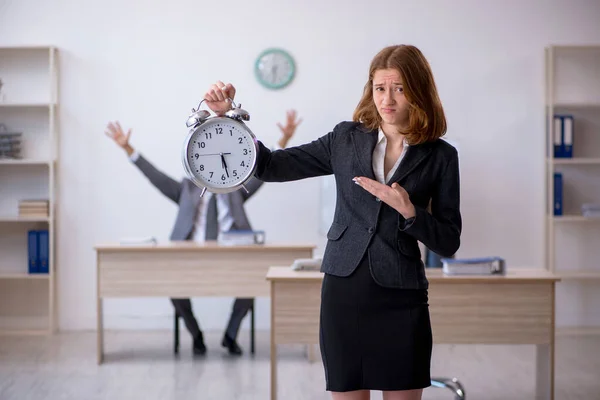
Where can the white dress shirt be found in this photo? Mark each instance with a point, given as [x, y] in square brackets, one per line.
[379, 159]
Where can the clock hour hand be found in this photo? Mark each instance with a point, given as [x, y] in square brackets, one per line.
[224, 164]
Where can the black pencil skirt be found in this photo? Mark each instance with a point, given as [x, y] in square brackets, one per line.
[372, 337]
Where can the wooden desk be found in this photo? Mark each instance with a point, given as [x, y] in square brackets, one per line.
[187, 269]
[514, 309]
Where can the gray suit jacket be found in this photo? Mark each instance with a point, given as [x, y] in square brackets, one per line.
[187, 195]
[363, 225]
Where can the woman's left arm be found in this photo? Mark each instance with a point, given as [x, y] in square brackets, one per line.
[440, 231]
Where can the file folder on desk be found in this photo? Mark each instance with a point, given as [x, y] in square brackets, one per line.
[474, 266]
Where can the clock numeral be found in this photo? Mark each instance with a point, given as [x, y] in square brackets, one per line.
[219, 131]
[235, 172]
[223, 177]
[196, 155]
[211, 174]
[208, 135]
[242, 164]
[245, 152]
[202, 145]
[202, 167]
[240, 140]
[231, 132]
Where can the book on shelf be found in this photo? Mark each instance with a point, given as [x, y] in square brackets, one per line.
[34, 208]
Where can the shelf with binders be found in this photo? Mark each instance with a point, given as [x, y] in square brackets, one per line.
[574, 166]
[25, 296]
[25, 250]
[28, 155]
[572, 180]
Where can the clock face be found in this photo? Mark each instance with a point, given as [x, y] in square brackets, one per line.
[221, 154]
[274, 68]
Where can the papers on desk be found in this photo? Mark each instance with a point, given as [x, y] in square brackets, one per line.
[132, 241]
[241, 238]
[473, 266]
[307, 264]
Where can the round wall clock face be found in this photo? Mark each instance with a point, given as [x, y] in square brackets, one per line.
[274, 68]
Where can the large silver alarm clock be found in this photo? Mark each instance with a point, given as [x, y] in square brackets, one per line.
[219, 153]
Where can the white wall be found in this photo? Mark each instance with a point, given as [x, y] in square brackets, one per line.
[146, 63]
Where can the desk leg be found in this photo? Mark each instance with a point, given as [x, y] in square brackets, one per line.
[100, 331]
[544, 382]
[273, 346]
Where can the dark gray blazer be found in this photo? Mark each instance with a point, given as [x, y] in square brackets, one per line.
[187, 195]
[362, 224]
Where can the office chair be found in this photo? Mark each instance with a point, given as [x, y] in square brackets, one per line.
[452, 384]
[176, 331]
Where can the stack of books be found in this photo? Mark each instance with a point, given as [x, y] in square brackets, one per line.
[10, 143]
[474, 266]
[34, 208]
[590, 210]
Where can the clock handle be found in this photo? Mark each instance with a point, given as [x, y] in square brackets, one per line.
[200, 104]
[246, 189]
[203, 191]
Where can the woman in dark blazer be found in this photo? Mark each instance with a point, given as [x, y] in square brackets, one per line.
[389, 164]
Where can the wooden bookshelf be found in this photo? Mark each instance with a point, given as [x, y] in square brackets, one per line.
[28, 105]
[572, 250]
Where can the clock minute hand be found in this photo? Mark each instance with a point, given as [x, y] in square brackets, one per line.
[213, 154]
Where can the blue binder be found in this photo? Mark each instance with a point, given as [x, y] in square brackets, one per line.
[38, 251]
[558, 194]
[43, 252]
[563, 136]
[568, 129]
[32, 252]
[558, 136]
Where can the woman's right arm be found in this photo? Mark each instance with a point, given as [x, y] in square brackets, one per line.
[294, 163]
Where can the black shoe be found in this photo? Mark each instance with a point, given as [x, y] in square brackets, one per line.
[199, 346]
[232, 346]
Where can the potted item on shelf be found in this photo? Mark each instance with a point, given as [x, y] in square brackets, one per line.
[10, 143]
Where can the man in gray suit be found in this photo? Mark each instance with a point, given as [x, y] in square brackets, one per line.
[201, 219]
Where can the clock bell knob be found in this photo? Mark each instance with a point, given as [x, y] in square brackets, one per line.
[238, 113]
[197, 117]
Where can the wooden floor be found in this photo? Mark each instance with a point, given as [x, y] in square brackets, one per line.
[141, 365]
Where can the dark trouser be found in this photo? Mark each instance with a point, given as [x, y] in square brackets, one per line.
[238, 312]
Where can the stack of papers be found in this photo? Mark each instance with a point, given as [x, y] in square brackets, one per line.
[473, 266]
[138, 240]
[590, 210]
